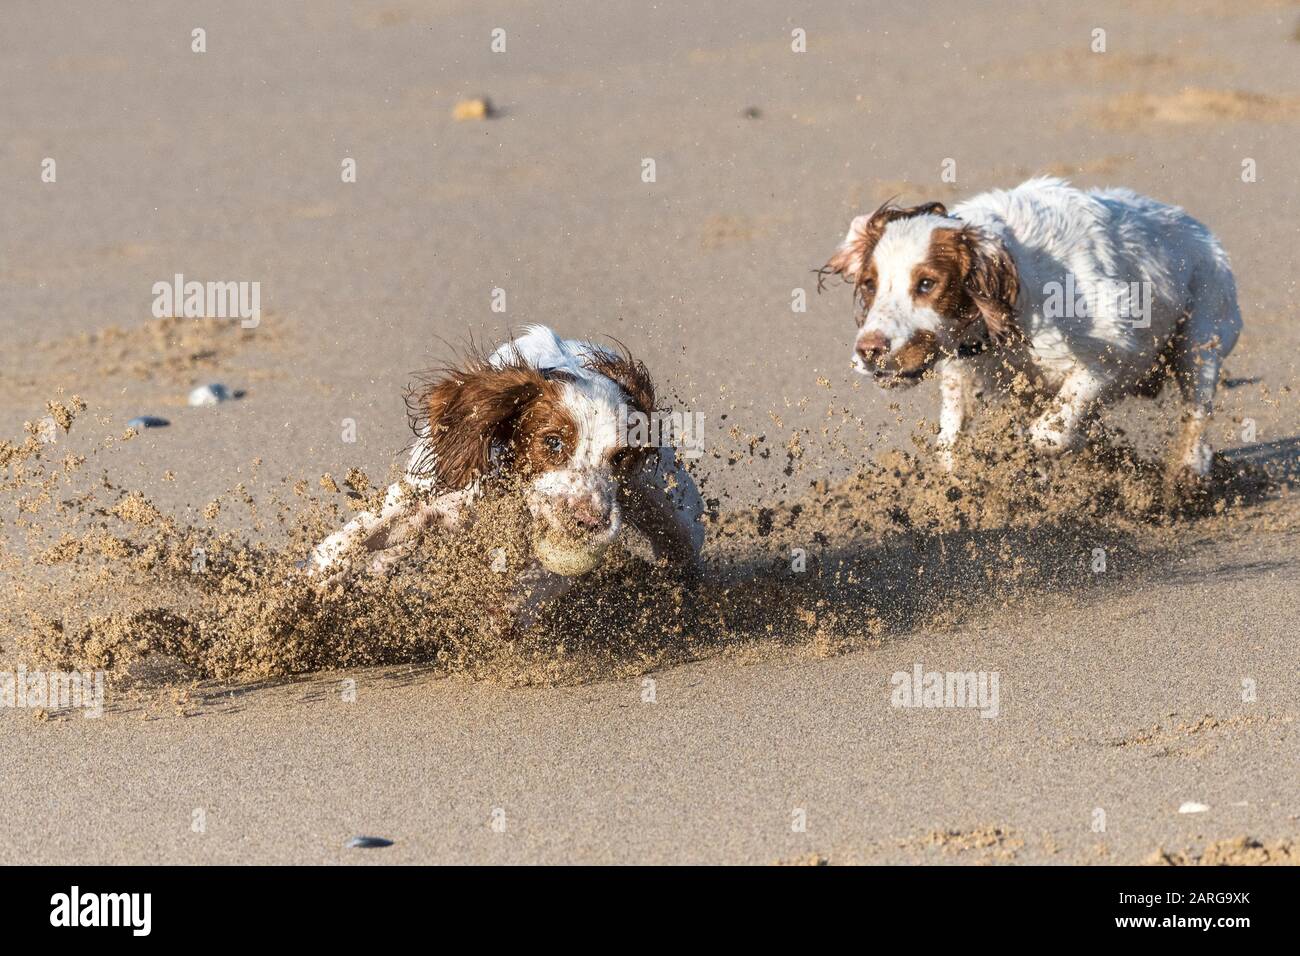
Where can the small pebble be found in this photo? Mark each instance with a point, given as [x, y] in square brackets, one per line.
[367, 843]
[141, 422]
[751, 112]
[213, 394]
[476, 109]
[1192, 807]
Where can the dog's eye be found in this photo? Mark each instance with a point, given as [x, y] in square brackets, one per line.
[924, 286]
[554, 444]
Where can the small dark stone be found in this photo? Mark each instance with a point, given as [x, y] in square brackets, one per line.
[367, 843]
[147, 421]
[751, 112]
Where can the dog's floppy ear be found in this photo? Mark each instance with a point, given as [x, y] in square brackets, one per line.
[992, 282]
[462, 412]
[630, 374]
[853, 252]
[864, 232]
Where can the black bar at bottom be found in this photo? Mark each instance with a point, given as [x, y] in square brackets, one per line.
[335, 904]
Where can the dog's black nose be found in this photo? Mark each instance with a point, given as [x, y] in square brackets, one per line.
[588, 515]
[872, 346]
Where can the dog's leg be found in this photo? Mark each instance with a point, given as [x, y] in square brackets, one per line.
[1061, 427]
[1192, 456]
[954, 389]
[380, 540]
[662, 501]
[1209, 333]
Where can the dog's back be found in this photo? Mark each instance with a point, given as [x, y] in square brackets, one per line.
[1104, 270]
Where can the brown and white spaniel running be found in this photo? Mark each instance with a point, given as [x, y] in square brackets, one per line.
[562, 417]
[1083, 297]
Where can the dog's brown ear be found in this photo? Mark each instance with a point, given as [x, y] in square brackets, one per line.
[864, 232]
[993, 283]
[854, 252]
[630, 374]
[464, 411]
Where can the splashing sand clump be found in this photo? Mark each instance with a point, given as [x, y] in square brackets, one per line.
[98, 576]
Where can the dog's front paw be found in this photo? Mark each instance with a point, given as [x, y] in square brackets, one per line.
[1049, 436]
[1197, 461]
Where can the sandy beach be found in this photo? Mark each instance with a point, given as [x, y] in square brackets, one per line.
[1146, 712]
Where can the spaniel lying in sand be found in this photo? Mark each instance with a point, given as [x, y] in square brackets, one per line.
[1084, 297]
[557, 415]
